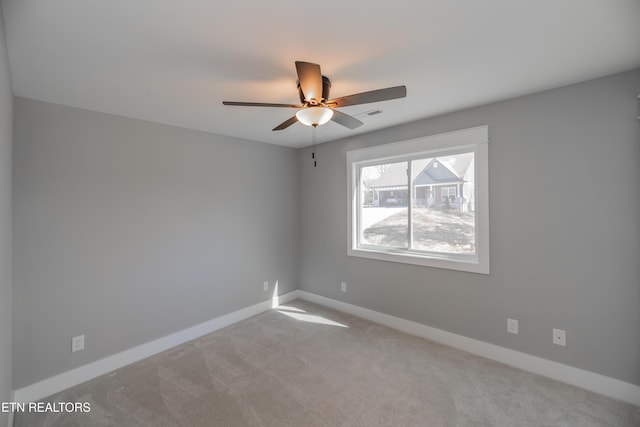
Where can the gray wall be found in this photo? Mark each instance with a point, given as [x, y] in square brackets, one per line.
[127, 231]
[565, 234]
[6, 137]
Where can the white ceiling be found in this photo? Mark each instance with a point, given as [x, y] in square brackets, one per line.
[175, 61]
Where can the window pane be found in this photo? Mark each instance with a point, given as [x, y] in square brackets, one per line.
[443, 210]
[384, 205]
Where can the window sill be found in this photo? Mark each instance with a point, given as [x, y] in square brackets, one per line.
[426, 261]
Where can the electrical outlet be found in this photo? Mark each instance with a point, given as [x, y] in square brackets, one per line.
[77, 343]
[343, 287]
[559, 337]
[265, 286]
[512, 326]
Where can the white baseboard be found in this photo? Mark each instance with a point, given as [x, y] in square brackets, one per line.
[568, 374]
[11, 415]
[55, 384]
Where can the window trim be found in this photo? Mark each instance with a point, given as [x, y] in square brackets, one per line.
[474, 139]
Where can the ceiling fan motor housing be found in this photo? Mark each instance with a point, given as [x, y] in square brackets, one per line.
[326, 87]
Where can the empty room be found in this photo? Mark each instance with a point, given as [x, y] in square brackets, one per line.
[341, 213]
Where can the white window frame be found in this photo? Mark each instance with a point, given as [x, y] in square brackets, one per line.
[473, 139]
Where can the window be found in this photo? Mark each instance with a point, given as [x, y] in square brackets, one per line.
[447, 194]
[422, 201]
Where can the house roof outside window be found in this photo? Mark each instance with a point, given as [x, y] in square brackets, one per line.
[428, 171]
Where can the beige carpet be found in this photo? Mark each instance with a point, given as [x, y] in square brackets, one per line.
[306, 365]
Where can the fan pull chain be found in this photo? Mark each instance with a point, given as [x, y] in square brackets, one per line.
[313, 154]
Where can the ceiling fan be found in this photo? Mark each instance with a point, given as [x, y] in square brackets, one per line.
[316, 108]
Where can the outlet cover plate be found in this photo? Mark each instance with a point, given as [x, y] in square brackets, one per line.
[512, 326]
[77, 343]
[560, 337]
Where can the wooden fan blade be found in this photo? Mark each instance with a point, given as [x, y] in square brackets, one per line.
[260, 104]
[345, 120]
[286, 123]
[310, 79]
[371, 96]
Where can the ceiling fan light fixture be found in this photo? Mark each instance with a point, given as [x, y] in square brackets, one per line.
[314, 116]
